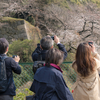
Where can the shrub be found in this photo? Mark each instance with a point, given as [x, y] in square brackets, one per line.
[22, 95]
[22, 48]
[25, 76]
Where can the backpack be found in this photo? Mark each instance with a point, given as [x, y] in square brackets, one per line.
[3, 76]
[38, 64]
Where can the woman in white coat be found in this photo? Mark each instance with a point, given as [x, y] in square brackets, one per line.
[87, 66]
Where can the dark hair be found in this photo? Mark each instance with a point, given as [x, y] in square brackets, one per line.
[3, 45]
[46, 43]
[54, 56]
[84, 59]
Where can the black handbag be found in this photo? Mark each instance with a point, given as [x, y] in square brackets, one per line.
[31, 97]
[37, 64]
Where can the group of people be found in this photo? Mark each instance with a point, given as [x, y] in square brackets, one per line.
[48, 83]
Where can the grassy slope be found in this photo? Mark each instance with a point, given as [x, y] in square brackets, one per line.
[64, 3]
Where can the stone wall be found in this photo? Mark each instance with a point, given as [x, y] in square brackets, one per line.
[18, 29]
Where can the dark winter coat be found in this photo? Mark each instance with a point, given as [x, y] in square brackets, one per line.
[11, 66]
[49, 84]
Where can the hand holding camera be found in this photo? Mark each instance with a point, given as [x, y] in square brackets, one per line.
[16, 58]
[55, 38]
[90, 43]
[92, 46]
[52, 37]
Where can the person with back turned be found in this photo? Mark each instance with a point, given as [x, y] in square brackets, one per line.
[8, 65]
[49, 83]
[46, 43]
[87, 67]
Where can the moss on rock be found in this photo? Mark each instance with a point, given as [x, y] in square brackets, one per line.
[18, 29]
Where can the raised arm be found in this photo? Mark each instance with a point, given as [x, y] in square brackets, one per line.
[97, 57]
[60, 46]
[15, 66]
[94, 53]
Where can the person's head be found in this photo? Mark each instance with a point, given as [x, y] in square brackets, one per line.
[54, 56]
[46, 43]
[3, 45]
[84, 59]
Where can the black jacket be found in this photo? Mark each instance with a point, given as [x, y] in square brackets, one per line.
[11, 65]
[49, 84]
[38, 51]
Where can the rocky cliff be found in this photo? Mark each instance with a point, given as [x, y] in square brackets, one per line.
[74, 24]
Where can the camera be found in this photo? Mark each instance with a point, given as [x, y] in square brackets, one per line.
[14, 56]
[90, 43]
[52, 37]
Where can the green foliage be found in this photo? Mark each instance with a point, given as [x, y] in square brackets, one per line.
[25, 76]
[9, 19]
[68, 74]
[85, 1]
[23, 82]
[75, 1]
[25, 48]
[70, 57]
[31, 20]
[22, 95]
[64, 3]
[22, 48]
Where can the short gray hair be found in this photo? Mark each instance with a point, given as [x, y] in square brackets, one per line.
[46, 43]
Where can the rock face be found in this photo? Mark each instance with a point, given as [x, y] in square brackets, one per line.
[18, 29]
[72, 26]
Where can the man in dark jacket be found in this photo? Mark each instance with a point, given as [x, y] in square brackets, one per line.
[45, 44]
[11, 65]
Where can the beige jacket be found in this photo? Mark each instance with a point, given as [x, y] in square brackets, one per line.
[88, 88]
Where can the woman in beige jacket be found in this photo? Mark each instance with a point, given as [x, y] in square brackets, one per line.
[87, 67]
